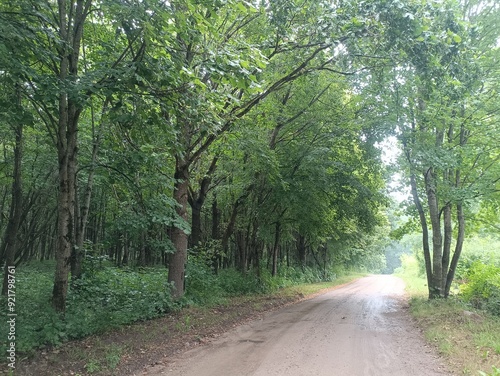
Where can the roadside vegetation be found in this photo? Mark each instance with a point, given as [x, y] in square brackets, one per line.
[465, 327]
[157, 155]
[106, 298]
[119, 319]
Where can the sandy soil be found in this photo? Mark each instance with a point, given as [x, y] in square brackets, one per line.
[359, 329]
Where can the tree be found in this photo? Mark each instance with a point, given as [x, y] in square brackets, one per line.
[298, 169]
[441, 124]
[59, 92]
[221, 57]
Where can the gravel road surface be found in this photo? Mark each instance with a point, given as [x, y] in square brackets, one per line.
[359, 329]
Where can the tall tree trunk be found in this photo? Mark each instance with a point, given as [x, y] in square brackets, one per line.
[448, 229]
[215, 233]
[458, 249]
[84, 210]
[10, 242]
[66, 210]
[425, 230]
[254, 248]
[126, 249]
[318, 262]
[241, 256]
[460, 218]
[196, 201]
[435, 290]
[301, 250]
[141, 261]
[178, 259]
[447, 218]
[70, 33]
[196, 231]
[230, 226]
[277, 234]
[215, 219]
[117, 254]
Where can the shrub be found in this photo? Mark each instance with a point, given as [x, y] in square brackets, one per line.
[107, 297]
[114, 297]
[235, 283]
[202, 285]
[482, 288]
[110, 298]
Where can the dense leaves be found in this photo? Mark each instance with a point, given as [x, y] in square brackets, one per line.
[210, 137]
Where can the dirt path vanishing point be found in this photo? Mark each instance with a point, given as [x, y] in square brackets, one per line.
[360, 329]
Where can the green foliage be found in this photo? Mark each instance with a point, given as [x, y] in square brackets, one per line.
[482, 288]
[234, 283]
[110, 298]
[484, 249]
[298, 275]
[202, 285]
[281, 93]
[410, 271]
[361, 251]
[115, 297]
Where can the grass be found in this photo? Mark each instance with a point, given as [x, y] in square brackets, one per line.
[416, 284]
[468, 339]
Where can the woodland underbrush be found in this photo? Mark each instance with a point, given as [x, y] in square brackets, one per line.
[480, 285]
[107, 297]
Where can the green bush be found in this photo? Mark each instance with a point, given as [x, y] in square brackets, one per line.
[482, 288]
[36, 321]
[234, 283]
[107, 297]
[482, 249]
[202, 285]
[112, 297]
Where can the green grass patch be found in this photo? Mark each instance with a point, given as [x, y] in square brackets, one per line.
[409, 272]
[468, 338]
[106, 361]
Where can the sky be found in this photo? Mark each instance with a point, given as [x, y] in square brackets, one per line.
[390, 152]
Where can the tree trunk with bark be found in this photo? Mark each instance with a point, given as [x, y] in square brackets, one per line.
[196, 232]
[84, 209]
[301, 249]
[447, 240]
[196, 201]
[424, 227]
[216, 234]
[179, 237]
[10, 242]
[275, 252]
[435, 290]
[458, 249]
[70, 32]
[241, 251]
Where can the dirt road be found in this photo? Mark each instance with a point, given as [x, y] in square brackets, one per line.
[359, 329]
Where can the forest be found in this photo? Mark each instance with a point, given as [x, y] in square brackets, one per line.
[160, 153]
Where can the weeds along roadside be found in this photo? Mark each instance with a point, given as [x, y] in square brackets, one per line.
[109, 298]
[466, 336]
